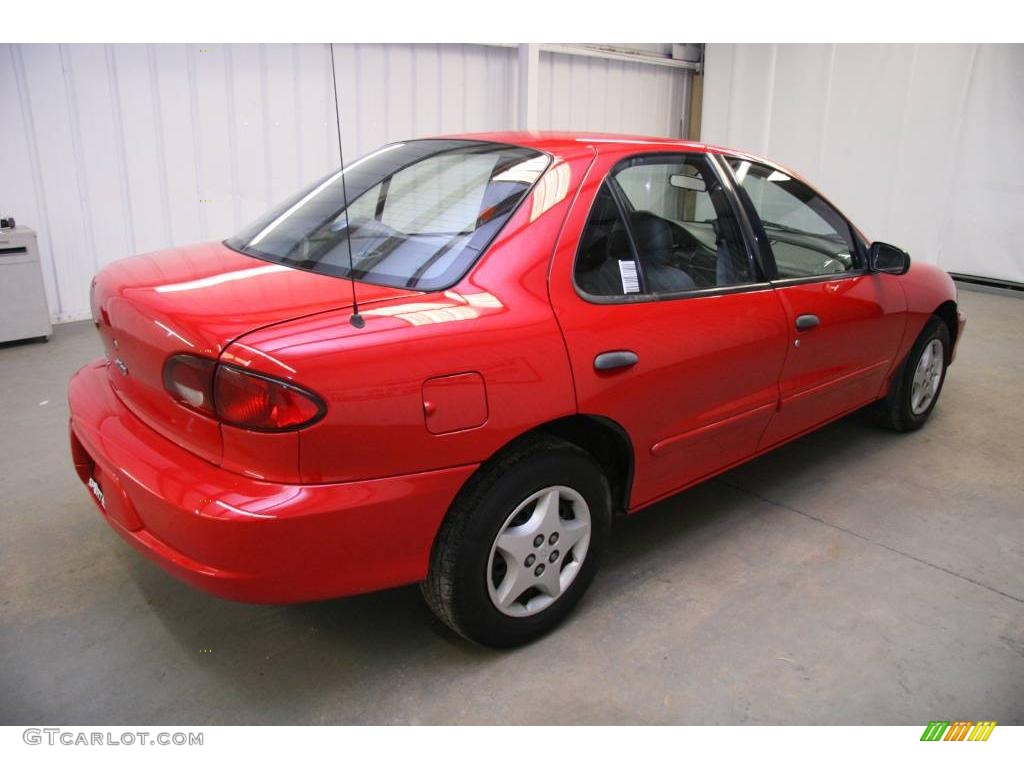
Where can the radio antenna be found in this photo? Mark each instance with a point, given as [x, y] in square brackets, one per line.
[356, 319]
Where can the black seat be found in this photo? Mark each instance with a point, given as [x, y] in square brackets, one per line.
[653, 236]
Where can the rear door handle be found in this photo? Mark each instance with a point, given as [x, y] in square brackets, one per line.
[620, 358]
[806, 322]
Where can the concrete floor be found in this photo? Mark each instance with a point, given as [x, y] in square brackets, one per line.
[855, 576]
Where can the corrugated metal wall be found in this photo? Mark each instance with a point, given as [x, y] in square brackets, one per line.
[587, 94]
[119, 149]
[113, 150]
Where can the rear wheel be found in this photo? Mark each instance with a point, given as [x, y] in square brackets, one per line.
[521, 544]
[916, 388]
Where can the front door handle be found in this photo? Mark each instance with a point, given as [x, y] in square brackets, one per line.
[620, 358]
[806, 322]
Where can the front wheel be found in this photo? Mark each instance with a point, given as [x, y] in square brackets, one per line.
[521, 544]
[916, 388]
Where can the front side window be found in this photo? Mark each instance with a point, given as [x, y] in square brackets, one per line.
[419, 213]
[661, 225]
[808, 237]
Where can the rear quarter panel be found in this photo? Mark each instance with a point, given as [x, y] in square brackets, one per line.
[497, 322]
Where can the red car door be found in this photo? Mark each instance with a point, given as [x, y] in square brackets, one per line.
[671, 331]
[844, 323]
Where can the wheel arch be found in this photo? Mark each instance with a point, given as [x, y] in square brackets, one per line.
[604, 439]
[607, 441]
[947, 313]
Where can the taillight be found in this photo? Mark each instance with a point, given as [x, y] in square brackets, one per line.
[239, 397]
[254, 401]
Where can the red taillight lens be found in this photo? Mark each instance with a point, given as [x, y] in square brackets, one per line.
[189, 379]
[239, 397]
[254, 401]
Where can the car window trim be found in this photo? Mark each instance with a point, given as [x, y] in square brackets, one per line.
[782, 282]
[724, 174]
[761, 281]
[620, 199]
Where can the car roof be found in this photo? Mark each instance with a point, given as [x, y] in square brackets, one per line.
[565, 142]
[568, 142]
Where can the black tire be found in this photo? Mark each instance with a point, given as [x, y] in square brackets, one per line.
[456, 588]
[896, 411]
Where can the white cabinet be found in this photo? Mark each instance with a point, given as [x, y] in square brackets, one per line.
[23, 310]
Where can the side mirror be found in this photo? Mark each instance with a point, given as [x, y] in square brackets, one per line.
[888, 258]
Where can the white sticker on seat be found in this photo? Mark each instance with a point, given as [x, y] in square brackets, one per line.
[630, 281]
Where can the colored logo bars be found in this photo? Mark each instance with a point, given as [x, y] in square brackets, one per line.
[960, 730]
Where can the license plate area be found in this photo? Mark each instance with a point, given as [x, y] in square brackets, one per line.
[104, 488]
[97, 491]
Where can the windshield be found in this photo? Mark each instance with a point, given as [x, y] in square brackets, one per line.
[419, 213]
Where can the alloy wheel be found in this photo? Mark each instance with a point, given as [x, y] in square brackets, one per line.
[927, 377]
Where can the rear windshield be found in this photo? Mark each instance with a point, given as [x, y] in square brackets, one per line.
[419, 213]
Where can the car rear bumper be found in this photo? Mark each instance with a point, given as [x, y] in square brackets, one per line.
[243, 538]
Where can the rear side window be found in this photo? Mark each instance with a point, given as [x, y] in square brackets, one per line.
[419, 214]
[661, 224]
[606, 264]
[808, 236]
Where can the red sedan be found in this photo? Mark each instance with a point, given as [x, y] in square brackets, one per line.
[455, 360]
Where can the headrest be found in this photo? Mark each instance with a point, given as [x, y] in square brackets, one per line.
[653, 235]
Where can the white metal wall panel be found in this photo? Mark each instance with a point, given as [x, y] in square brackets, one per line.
[918, 144]
[139, 121]
[981, 216]
[121, 149]
[394, 92]
[591, 94]
[173, 140]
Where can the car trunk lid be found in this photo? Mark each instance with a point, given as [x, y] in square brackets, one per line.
[197, 300]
